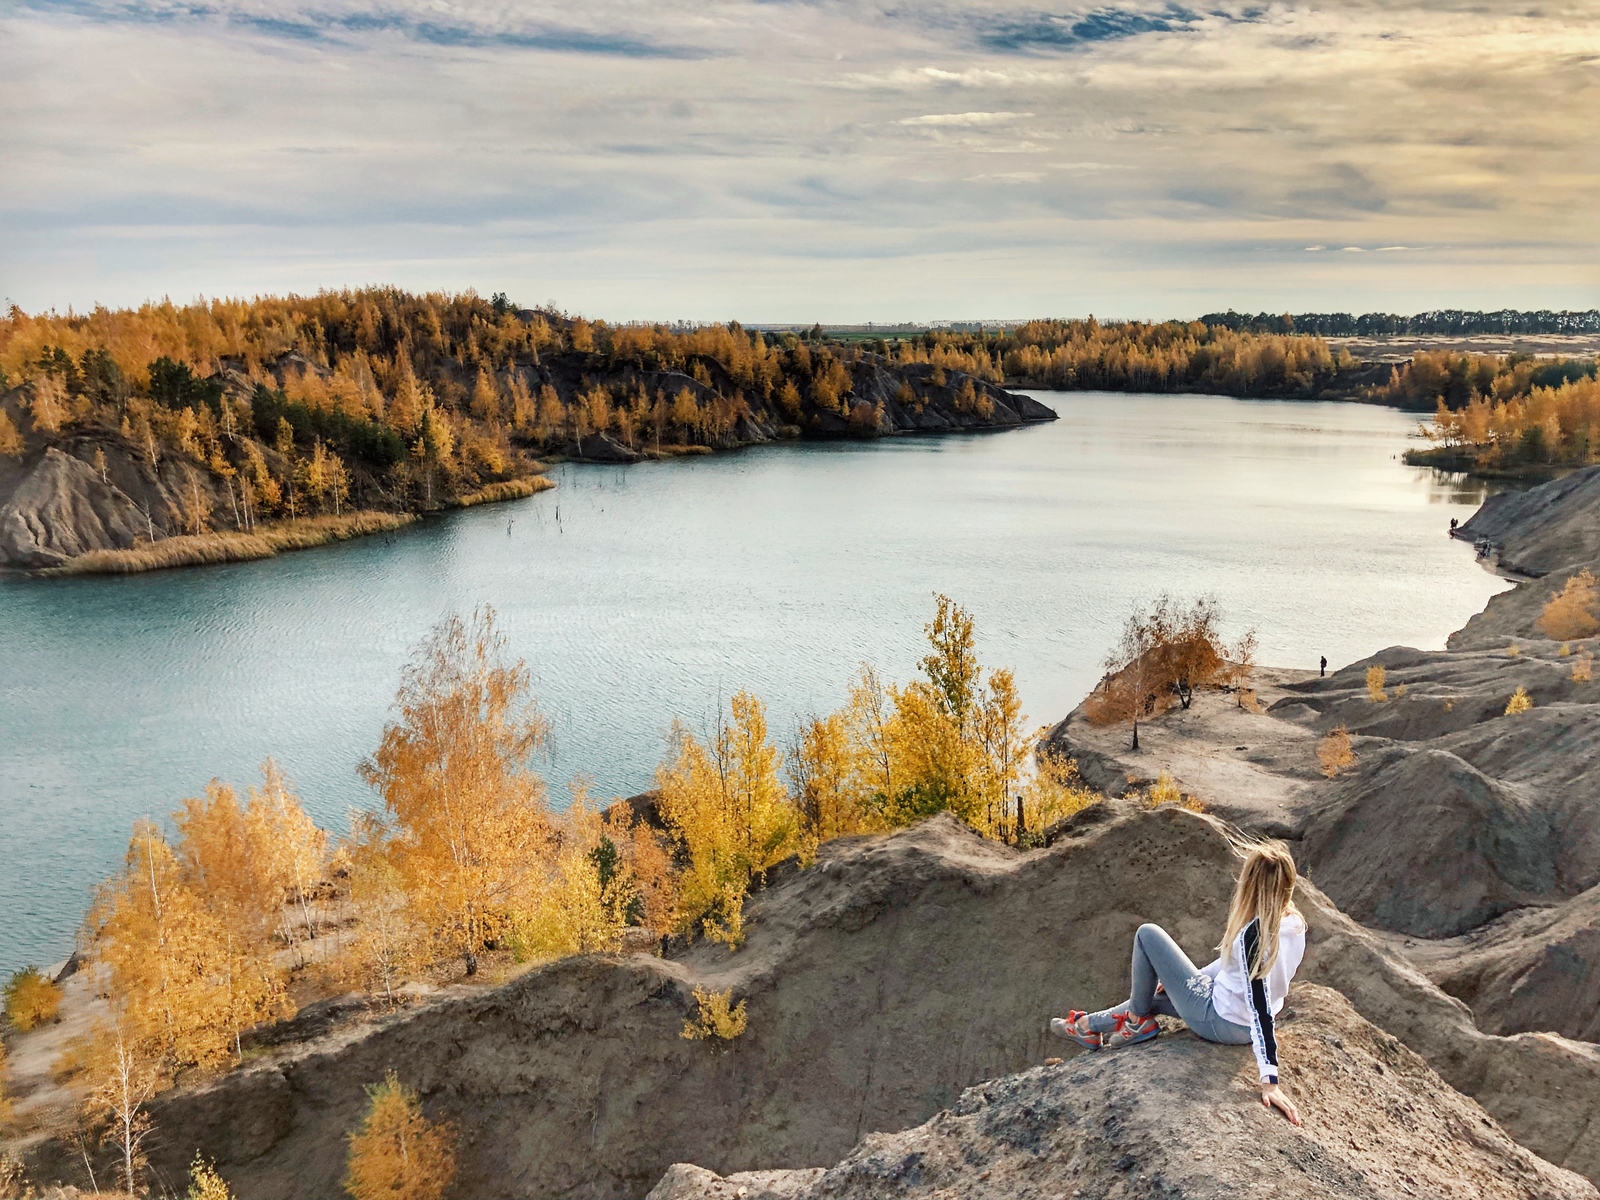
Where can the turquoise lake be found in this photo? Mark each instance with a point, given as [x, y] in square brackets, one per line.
[637, 594]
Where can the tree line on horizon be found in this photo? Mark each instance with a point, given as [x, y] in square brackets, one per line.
[1448, 322]
[382, 398]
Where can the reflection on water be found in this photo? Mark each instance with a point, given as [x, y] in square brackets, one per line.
[1457, 487]
[639, 594]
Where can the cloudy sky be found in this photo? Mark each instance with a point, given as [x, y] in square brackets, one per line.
[835, 160]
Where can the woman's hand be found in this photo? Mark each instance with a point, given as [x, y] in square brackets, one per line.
[1272, 1096]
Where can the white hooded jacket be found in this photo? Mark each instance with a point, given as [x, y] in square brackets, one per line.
[1254, 1003]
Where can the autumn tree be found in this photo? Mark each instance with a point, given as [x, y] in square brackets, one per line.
[644, 859]
[727, 808]
[1003, 748]
[10, 439]
[183, 982]
[1132, 688]
[123, 1070]
[1571, 612]
[398, 1153]
[825, 777]
[588, 894]
[952, 739]
[455, 769]
[31, 999]
[292, 850]
[48, 405]
[256, 865]
[1239, 671]
[1188, 645]
[485, 401]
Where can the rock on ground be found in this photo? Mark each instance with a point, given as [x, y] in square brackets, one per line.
[1181, 1119]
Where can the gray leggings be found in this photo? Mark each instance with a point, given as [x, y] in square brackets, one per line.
[1157, 958]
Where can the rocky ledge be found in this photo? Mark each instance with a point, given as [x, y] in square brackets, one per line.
[1178, 1119]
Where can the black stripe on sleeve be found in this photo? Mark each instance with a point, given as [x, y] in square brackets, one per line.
[1258, 999]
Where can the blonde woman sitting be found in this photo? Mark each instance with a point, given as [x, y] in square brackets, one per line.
[1233, 1000]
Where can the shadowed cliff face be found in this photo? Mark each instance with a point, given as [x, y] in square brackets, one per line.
[880, 983]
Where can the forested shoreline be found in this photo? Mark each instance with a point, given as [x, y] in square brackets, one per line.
[1510, 415]
[229, 429]
[218, 418]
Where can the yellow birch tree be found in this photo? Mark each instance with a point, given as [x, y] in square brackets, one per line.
[397, 1153]
[471, 816]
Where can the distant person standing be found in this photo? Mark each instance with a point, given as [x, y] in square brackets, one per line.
[1324, 669]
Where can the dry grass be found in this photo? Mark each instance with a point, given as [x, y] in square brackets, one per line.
[206, 549]
[511, 489]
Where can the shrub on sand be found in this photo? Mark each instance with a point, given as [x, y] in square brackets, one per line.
[1334, 752]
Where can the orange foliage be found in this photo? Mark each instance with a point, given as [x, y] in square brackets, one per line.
[398, 1154]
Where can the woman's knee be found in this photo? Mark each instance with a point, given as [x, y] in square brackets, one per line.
[1148, 930]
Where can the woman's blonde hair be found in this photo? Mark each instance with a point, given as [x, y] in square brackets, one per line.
[1265, 893]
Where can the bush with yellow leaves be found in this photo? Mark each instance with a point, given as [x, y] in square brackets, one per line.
[398, 1153]
[1520, 702]
[1376, 676]
[31, 1000]
[1334, 752]
[1571, 612]
[717, 1017]
[205, 1183]
[1165, 792]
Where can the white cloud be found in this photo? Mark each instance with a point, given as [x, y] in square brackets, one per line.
[966, 119]
[715, 158]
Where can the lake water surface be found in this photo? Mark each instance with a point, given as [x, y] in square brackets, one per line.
[637, 594]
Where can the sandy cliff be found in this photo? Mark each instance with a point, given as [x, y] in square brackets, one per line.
[880, 984]
[1179, 1119]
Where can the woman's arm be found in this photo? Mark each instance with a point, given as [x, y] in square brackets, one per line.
[1263, 1032]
